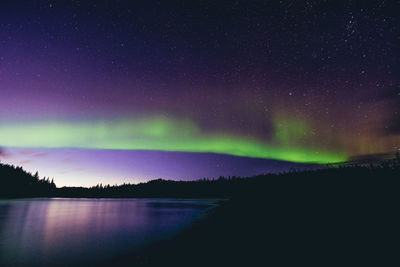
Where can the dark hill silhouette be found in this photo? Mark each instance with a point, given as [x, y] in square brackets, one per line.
[18, 183]
[341, 178]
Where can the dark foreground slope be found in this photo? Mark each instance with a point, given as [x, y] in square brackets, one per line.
[293, 222]
[335, 217]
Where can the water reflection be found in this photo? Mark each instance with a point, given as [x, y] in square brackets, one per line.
[66, 231]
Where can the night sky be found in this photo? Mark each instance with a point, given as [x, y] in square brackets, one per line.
[127, 91]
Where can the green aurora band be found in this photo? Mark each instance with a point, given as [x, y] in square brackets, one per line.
[156, 133]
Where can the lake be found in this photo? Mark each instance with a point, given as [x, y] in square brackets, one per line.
[58, 231]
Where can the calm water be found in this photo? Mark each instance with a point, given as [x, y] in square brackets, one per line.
[62, 231]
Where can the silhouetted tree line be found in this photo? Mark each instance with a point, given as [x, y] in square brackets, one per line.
[18, 183]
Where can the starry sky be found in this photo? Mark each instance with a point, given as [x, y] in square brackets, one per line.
[128, 91]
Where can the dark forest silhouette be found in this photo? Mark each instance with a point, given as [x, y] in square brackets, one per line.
[18, 183]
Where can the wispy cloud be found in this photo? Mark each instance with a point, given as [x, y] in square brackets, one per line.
[22, 162]
[27, 152]
[41, 154]
[4, 154]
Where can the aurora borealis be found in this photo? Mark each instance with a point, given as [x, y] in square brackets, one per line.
[91, 89]
[157, 134]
